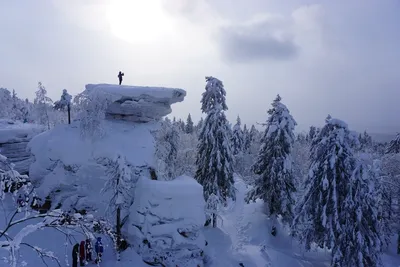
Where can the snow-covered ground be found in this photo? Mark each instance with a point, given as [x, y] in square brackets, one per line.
[244, 237]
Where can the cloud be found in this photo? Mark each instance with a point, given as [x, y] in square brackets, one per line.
[256, 41]
[272, 36]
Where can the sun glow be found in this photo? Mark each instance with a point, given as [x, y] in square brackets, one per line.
[139, 21]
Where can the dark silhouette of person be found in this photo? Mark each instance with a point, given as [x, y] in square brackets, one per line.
[75, 254]
[82, 253]
[120, 74]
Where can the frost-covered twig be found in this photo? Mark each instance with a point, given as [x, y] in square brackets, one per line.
[43, 254]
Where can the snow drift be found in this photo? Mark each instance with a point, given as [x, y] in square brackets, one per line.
[135, 103]
[166, 220]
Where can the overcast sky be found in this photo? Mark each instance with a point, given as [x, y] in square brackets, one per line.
[323, 57]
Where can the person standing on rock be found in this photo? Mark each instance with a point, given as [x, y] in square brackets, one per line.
[120, 74]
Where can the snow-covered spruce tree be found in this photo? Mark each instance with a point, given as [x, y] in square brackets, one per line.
[338, 192]
[311, 133]
[41, 102]
[237, 137]
[246, 139]
[214, 158]
[167, 141]
[394, 146]
[189, 128]
[199, 126]
[358, 241]
[121, 184]
[330, 170]
[275, 183]
[64, 104]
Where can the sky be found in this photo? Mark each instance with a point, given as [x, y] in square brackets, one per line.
[323, 57]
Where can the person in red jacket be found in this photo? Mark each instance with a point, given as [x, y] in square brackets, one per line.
[82, 253]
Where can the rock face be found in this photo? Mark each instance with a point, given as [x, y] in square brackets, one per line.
[135, 103]
[14, 138]
[165, 222]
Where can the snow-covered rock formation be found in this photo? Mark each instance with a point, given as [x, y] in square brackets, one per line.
[166, 220]
[136, 103]
[71, 169]
[14, 138]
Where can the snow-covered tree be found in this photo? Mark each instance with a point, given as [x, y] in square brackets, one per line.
[331, 164]
[64, 104]
[199, 125]
[275, 184]
[246, 138]
[120, 183]
[237, 139]
[5, 103]
[358, 236]
[92, 107]
[181, 125]
[339, 209]
[394, 146]
[42, 102]
[167, 141]
[18, 189]
[189, 128]
[17, 111]
[214, 158]
[311, 133]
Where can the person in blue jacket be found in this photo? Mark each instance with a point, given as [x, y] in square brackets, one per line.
[98, 248]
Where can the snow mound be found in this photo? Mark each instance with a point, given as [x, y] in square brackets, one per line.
[71, 170]
[166, 219]
[136, 103]
[14, 137]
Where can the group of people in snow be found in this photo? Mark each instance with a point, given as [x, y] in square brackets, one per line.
[83, 253]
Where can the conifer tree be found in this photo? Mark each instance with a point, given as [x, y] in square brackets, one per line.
[189, 125]
[199, 125]
[214, 157]
[329, 174]
[394, 146]
[311, 133]
[64, 103]
[275, 183]
[338, 210]
[246, 138]
[167, 141]
[360, 239]
[237, 138]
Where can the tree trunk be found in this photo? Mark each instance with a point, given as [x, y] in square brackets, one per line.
[118, 229]
[69, 114]
[214, 220]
